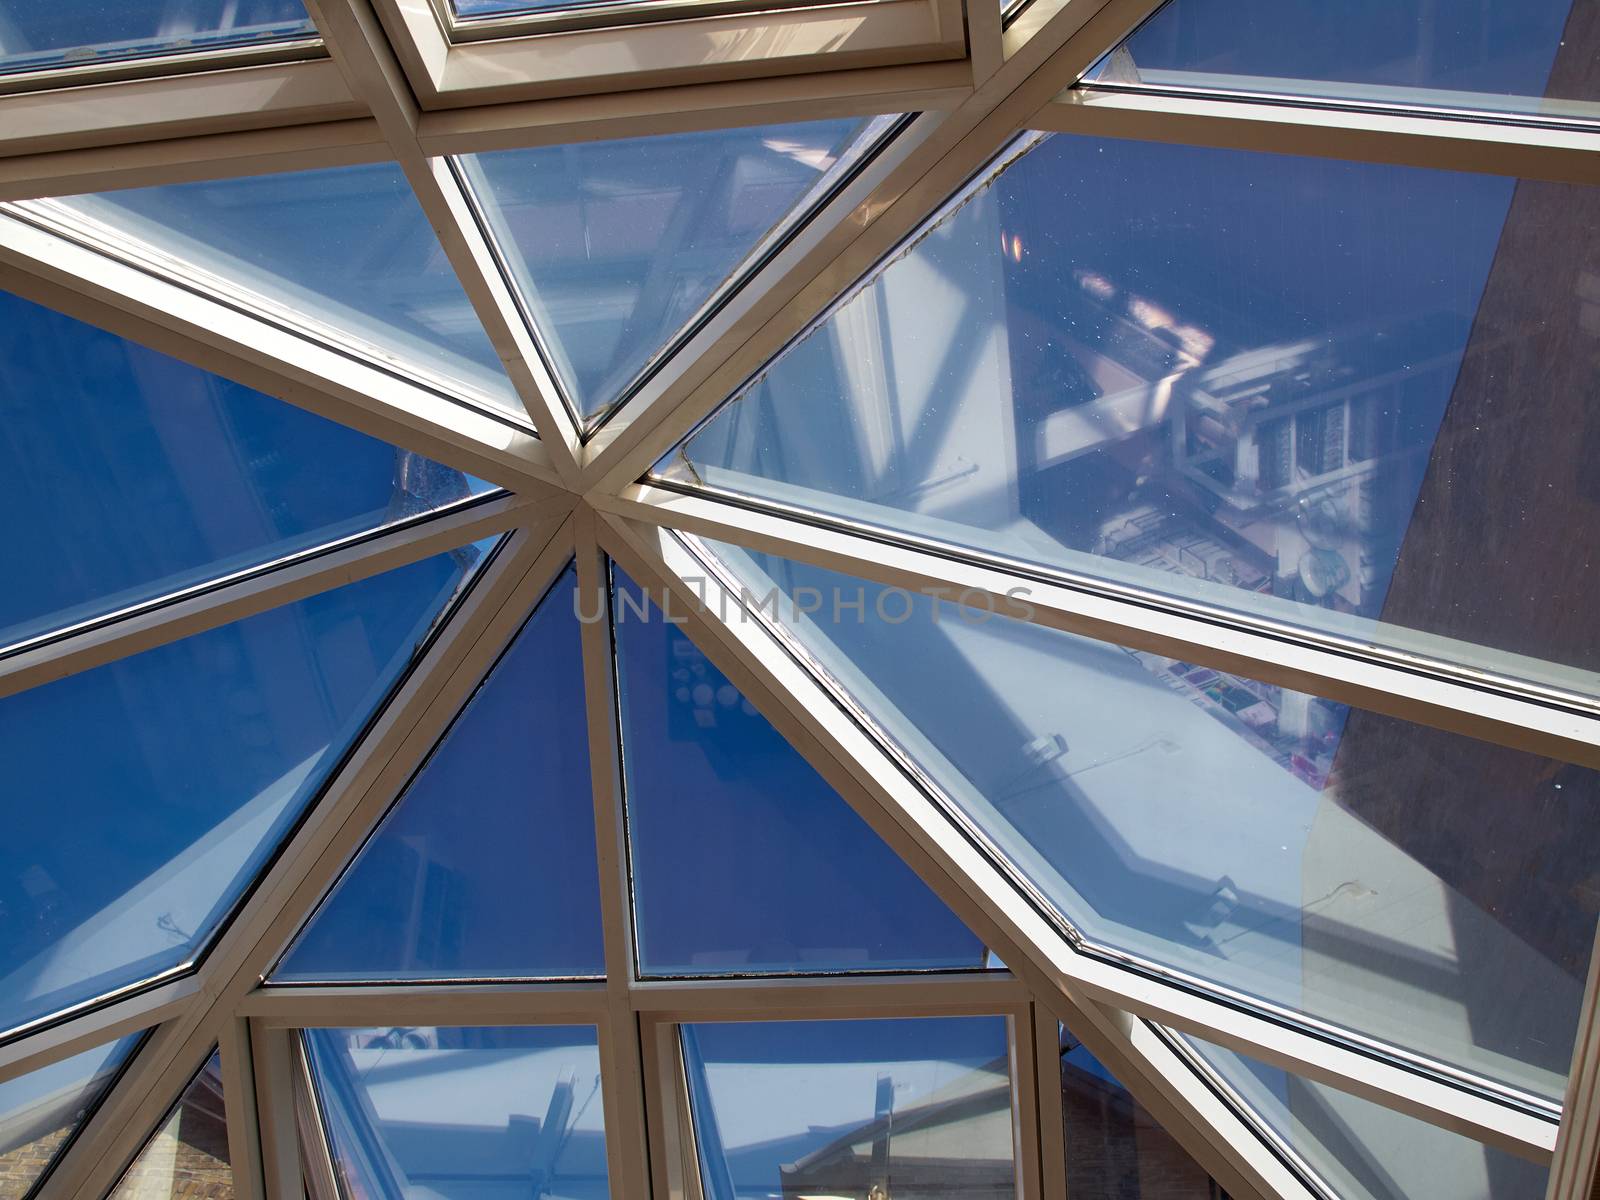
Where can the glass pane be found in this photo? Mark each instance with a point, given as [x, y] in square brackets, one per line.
[717, 800]
[148, 793]
[1352, 397]
[852, 1108]
[486, 868]
[512, 8]
[76, 33]
[1115, 1148]
[463, 1114]
[1426, 889]
[1533, 57]
[41, 1111]
[345, 251]
[616, 245]
[176, 476]
[1366, 1151]
[188, 1156]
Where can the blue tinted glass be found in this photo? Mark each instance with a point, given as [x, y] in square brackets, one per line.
[852, 1108]
[188, 1155]
[509, 8]
[346, 251]
[744, 859]
[1397, 880]
[1325, 393]
[615, 245]
[487, 866]
[1115, 1149]
[147, 794]
[42, 1110]
[1525, 56]
[463, 1114]
[176, 476]
[76, 33]
[1366, 1151]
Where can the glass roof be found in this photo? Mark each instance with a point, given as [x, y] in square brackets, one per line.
[486, 867]
[182, 477]
[188, 1155]
[463, 1112]
[1336, 403]
[1366, 1151]
[849, 1108]
[345, 253]
[617, 246]
[714, 795]
[121, 862]
[1313, 855]
[1257, 382]
[1532, 57]
[76, 33]
[42, 1111]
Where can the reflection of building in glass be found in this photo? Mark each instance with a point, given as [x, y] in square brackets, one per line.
[1288, 469]
[524, 1120]
[1115, 1148]
[188, 1157]
[955, 1142]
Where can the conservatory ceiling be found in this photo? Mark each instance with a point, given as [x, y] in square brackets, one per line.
[882, 598]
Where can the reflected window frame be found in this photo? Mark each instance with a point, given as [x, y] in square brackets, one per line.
[874, 137]
[313, 1130]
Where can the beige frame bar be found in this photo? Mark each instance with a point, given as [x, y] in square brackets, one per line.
[842, 35]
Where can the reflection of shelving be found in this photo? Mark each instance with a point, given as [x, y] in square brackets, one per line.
[1298, 732]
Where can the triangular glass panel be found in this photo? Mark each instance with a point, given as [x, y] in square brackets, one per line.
[1533, 58]
[1408, 884]
[486, 867]
[46, 37]
[178, 477]
[617, 246]
[188, 1155]
[1361, 1150]
[42, 1111]
[1184, 391]
[744, 860]
[344, 253]
[1115, 1148]
[463, 1113]
[147, 794]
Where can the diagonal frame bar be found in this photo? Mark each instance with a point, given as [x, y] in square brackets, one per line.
[359, 46]
[202, 330]
[1425, 685]
[905, 816]
[848, 237]
[793, 715]
[233, 598]
[332, 831]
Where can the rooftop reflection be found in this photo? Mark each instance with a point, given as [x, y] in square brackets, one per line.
[1414, 886]
[1345, 397]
